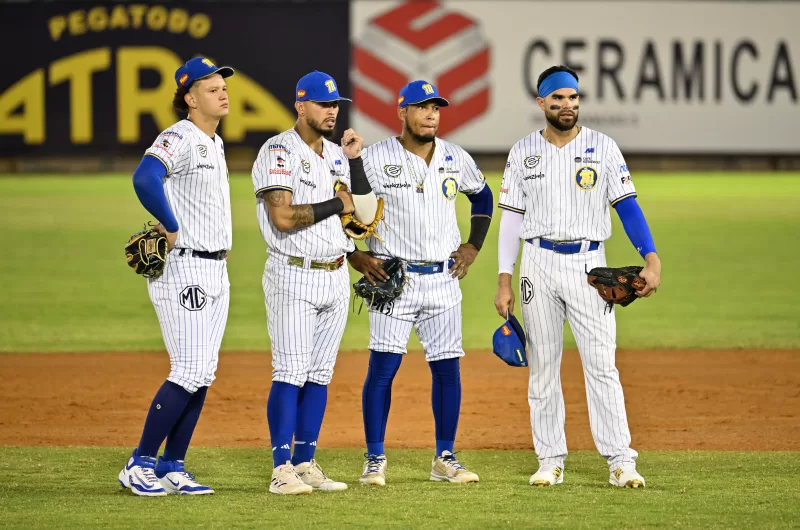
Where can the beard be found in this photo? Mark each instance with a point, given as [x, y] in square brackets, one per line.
[421, 138]
[556, 122]
[326, 133]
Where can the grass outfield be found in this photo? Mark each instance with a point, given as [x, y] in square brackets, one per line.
[67, 287]
[77, 487]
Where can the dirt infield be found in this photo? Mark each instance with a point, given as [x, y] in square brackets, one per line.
[729, 400]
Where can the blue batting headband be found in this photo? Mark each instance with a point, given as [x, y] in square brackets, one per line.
[555, 81]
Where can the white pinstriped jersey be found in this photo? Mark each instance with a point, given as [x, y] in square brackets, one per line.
[197, 186]
[419, 200]
[286, 162]
[565, 193]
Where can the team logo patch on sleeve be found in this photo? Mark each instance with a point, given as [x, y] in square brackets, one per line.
[450, 188]
[586, 178]
[532, 161]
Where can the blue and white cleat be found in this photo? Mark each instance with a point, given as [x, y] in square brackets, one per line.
[139, 477]
[176, 480]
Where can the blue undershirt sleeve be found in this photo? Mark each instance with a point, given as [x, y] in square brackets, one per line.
[482, 202]
[148, 184]
[635, 225]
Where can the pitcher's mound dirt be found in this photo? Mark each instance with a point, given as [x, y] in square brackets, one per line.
[730, 400]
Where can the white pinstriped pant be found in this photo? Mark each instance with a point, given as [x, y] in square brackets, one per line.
[432, 304]
[555, 287]
[191, 300]
[306, 315]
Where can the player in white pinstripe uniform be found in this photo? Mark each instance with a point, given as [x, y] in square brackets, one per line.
[183, 181]
[557, 188]
[301, 181]
[419, 177]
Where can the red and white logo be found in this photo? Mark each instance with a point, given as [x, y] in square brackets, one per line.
[421, 40]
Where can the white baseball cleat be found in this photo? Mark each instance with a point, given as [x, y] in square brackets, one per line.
[446, 467]
[176, 480]
[312, 474]
[374, 470]
[626, 476]
[139, 477]
[286, 482]
[548, 475]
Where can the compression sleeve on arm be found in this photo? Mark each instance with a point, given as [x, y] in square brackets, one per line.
[508, 241]
[482, 204]
[358, 177]
[147, 182]
[635, 225]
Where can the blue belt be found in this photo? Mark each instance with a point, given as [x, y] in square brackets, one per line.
[429, 268]
[569, 247]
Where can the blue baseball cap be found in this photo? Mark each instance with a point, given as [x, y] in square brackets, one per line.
[508, 343]
[318, 86]
[198, 68]
[418, 92]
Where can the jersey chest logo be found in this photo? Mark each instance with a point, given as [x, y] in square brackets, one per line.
[393, 170]
[203, 150]
[532, 161]
[586, 178]
[450, 188]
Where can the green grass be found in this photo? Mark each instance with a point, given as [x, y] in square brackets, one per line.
[725, 243]
[76, 487]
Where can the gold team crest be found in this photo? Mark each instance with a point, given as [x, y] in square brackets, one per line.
[450, 188]
[331, 86]
[586, 178]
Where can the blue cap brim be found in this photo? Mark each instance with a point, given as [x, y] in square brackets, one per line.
[442, 102]
[329, 100]
[224, 71]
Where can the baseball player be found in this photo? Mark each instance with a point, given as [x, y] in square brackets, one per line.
[419, 177]
[556, 191]
[301, 181]
[183, 182]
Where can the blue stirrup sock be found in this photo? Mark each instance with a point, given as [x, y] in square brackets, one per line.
[168, 404]
[313, 399]
[446, 401]
[282, 417]
[180, 436]
[376, 398]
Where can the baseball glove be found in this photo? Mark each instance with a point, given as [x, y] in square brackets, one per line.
[617, 285]
[146, 252]
[360, 231]
[383, 291]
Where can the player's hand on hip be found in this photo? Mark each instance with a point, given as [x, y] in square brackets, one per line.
[504, 299]
[171, 236]
[352, 144]
[368, 265]
[344, 193]
[651, 274]
[463, 258]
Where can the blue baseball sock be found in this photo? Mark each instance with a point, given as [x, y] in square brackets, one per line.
[167, 406]
[376, 398]
[310, 411]
[446, 400]
[181, 434]
[281, 416]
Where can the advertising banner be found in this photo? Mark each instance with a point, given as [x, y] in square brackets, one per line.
[98, 78]
[658, 77]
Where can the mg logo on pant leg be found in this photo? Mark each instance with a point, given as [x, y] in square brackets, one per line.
[526, 290]
[193, 298]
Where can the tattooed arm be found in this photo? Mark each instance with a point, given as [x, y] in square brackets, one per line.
[288, 217]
